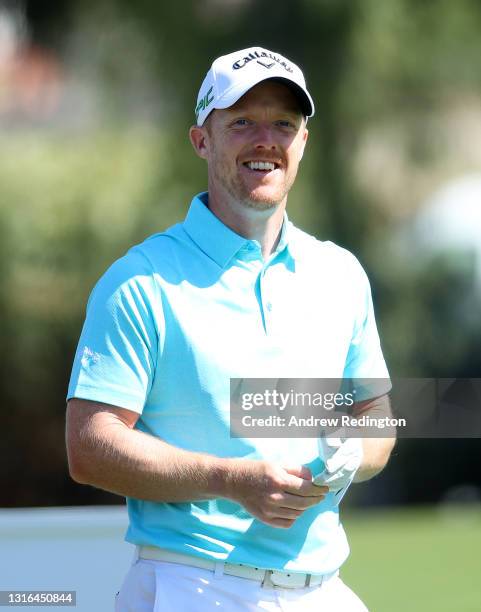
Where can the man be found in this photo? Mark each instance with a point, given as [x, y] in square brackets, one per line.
[235, 291]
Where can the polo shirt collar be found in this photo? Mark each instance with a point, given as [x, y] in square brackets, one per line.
[217, 240]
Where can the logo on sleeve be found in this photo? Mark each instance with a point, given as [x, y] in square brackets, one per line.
[89, 357]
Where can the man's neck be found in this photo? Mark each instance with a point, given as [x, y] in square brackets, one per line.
[261, 225]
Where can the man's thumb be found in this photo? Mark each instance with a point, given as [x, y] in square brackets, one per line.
[301, 471]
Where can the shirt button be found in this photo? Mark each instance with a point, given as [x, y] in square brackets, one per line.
[269, 306]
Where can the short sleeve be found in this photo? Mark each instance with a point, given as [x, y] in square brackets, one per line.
[365, 360]
[117, 351]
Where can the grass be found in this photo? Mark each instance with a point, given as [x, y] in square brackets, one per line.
[415, 560]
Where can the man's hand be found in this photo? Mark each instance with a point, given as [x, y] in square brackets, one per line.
[342, 458]
[275, 495]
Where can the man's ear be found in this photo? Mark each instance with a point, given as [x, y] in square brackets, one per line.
[198, 137]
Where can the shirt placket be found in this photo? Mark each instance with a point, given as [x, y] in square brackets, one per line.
[263, 283]
[266, 296]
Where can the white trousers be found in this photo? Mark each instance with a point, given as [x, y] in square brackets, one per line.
[158, 586]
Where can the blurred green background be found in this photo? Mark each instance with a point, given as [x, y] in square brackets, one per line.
[96, 98]
[417, 559]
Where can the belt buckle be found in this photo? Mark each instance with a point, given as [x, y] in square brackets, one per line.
[266, 581]
[289, 581]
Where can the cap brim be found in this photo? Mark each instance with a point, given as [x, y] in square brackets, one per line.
[305, 100]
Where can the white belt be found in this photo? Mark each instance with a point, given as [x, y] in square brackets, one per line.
[266, 576]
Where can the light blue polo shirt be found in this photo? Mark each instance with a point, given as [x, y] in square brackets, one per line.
[173, 320]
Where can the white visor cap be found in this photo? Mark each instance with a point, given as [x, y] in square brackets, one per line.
[231, 76]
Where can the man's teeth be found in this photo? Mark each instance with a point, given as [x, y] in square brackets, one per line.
[259, 165]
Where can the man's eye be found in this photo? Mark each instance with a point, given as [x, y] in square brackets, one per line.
[285, 123]
[241, 122]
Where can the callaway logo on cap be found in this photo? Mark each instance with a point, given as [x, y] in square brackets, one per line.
[231, 76]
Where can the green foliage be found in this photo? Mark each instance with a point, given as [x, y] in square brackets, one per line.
[69, 205]
[405, 53]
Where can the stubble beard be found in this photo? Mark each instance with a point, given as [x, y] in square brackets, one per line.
[240, 193]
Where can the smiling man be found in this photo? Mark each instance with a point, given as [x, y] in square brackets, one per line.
[254, 148]
[234, 291]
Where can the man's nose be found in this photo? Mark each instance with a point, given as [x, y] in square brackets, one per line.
[265, 137]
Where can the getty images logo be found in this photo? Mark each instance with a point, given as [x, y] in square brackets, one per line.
[262, 58]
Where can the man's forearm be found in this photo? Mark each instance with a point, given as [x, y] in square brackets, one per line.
[105, 451]
[376, 451]
[131, 463]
